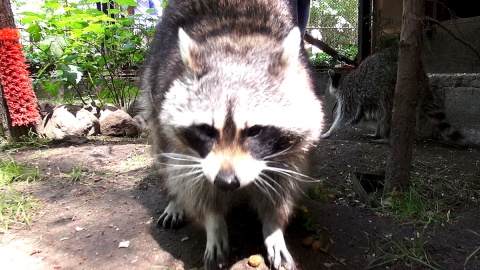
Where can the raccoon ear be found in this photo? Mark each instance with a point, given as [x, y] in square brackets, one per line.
[186, 46]
[291, 45]
[331, 73]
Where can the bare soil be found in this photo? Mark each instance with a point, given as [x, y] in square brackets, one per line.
[82, 224]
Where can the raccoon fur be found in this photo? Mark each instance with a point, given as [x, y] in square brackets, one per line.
[233, 114]
[368, 93]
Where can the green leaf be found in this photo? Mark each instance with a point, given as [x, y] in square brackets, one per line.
[35, 31]
[131, 3]
[71, 57]
[71, 73]
[94, 12]
[94, 27]
[113, 11]
[52, 5]
[151, 10]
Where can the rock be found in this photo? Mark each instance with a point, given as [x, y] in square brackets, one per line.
[63, 122]
[118, 123]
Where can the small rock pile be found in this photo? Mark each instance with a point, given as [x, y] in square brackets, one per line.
[60, 121]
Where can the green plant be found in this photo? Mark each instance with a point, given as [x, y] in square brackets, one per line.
[336, 20]
[31, 141]
[409, 251]
[76, 174]
[323, 60]
[84, 52]
[11, 171]
[475, 251]
[16, 209]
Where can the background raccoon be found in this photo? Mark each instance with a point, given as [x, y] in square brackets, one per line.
[368, 92]
[232, 114]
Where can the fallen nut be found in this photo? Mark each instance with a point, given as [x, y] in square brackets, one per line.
[317, 245]
[254, 260]
[307, 241]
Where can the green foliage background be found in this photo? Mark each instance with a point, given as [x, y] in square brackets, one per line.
[78, 51]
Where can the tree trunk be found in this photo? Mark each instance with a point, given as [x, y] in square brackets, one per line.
[6, 15]
[409, 81]
[9, 131]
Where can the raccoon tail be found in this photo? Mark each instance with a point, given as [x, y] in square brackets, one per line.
[436, 116]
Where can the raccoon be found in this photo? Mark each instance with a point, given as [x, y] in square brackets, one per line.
[232, 112]
[368, 93]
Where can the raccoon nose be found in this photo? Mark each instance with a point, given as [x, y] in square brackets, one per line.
[226, 182]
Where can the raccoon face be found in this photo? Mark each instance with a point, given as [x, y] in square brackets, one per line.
[233, 108]
[234, 157]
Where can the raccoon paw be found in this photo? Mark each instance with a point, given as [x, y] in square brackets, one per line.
[278, 254]
[172, 217]
[216, 255]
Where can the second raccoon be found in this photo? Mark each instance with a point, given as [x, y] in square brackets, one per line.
[368, 92]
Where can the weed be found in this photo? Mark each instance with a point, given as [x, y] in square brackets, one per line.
[475, 251]
[76, 174]
[11, 171]
[16, 208]
[410, 251]
[410, 206]
[30, 141]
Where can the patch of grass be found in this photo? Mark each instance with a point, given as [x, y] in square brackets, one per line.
[11, 171]
[475, 251]
[31, 141]
[76, 174]
[431, 197]
[411, 206]
[16, 208]
[409, 251]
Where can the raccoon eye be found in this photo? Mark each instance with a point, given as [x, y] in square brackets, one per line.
[254, 130]
[206, 130]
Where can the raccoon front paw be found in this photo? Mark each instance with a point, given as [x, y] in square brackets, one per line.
[172, 217]
[278, 254]
[216, 254]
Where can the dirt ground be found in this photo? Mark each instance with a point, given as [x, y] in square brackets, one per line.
[105, 220]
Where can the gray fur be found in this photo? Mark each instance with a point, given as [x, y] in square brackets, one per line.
[368, 93]
[222, 68]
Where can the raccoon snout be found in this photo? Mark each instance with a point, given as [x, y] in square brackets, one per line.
[226, 182]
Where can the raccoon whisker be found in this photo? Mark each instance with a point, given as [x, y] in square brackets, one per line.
[181, 157]
[277, 154]
[197, 181]
[173, 165]
[194, 172]
[271, 180]
[293, 174]
[261, 186]
[174, 169]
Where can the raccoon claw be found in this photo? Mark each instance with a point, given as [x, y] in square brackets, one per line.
[278, 254]
[172, 217]
[216, 252]
[216, 258]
